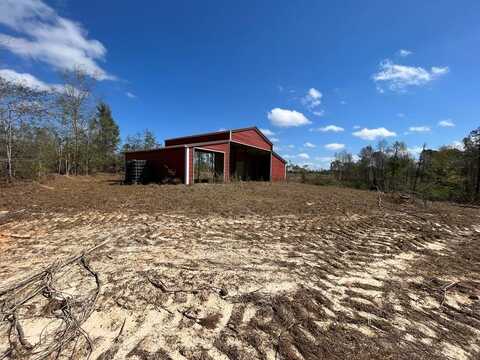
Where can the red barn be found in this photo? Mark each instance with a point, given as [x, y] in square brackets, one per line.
[242, 154]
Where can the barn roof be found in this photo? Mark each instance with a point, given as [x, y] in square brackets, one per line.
[279, 157]
[197, 135]
[222, 132]
[214, 133]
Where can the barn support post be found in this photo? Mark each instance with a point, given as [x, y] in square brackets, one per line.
[187, 165]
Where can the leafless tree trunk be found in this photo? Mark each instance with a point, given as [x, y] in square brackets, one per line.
[18, 104]
[418, 169]
[9, 143]
[75, 102]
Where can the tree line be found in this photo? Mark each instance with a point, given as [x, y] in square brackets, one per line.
[450, 173]
[64, 129]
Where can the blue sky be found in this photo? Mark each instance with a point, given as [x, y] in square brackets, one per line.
[320, 76]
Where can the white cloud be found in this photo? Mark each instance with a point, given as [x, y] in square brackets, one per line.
[335, 146]
[287, 118]
[267, 132]
[332, 128]
[307, 164]
[323, 162]
[356, 127]
[372, 134]
[313, 98]
[131, 95]
[303, 156]
[404, 52]
[419, 128]
[319, 112]
[440, 70]
[50, 38]
[309, 145]
[291, 146]
[314, 93]
[446, 123]
[457, 145]
[399, 77]
[416, 150]
[274, 140]
[325, 159]
[25, 79]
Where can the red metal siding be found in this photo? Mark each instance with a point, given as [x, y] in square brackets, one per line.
[224, 147]
[159, 160]
[225, 135]
[251, 137]
[278, 169]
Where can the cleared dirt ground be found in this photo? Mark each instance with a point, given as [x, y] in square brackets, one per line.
[242, 271]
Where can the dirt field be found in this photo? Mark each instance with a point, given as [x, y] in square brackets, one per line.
[240, 271]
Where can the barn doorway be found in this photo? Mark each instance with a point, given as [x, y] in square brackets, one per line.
[248, 163]
[208, 166]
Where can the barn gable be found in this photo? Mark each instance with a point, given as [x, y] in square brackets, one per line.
[253, 137]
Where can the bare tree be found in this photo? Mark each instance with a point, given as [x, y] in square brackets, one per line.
[19, 104]
[419, 168]
[75, 101]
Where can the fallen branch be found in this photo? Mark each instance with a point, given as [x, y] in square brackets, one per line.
[51, 267]
[72, 313]
[120, 332]
[209, 321]
[158, 307]
[445, 289]
[16, 236]
[85, 264]
[188, 316]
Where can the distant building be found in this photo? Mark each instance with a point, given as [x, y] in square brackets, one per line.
[223, 156]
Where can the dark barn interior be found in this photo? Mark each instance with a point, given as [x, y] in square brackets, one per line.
[248, 163]
[208, 166]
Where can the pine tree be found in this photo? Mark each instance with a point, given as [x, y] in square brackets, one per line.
[106, 138]
[472, 152]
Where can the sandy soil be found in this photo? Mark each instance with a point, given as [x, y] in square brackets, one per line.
[245, 271]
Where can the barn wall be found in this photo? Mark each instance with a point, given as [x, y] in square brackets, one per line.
[251, 137]
[159, 161]
[278, 169]
[198, 139]
[224, 147]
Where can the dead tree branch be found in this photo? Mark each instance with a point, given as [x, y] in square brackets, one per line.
[72, 312]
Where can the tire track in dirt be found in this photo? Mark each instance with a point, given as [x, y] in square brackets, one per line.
[298, 287]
